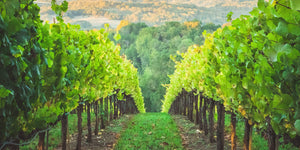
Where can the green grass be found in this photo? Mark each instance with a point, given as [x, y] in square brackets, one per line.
[55, 132]
[150, 131]
[116, 125]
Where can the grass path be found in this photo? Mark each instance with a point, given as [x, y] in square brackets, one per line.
[150, 131]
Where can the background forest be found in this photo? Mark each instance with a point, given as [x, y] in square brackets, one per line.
[150, 49]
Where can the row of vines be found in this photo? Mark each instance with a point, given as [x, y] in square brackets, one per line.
[49, 70]
[249, 68]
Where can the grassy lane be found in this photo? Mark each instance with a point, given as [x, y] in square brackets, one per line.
[150, 131]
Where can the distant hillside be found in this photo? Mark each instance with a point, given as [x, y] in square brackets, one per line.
[94, 13]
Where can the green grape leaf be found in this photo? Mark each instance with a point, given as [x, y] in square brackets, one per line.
[258, 117]
[271, 25]
[274, 37]
[50, 62]
[295, 4]
[275, 126]
[294, 29]
[245, 83]
[279, 118]
[16, 52]
[276, 101]
[261, 105]
[64, 69]
[3, 13]
[282, 28]
[254, 12]
[4, 92]
[120, 96]
[285, 49]
[56, 28]
[285, 103]
[117, 37]
[14, 25]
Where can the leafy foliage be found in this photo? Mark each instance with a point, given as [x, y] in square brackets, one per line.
[48, 69]
[21, 59]
[252, 66]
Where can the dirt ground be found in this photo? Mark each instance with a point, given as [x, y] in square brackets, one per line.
[105, 140]
[193, 139]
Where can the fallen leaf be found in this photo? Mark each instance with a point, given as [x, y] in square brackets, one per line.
[153, 126]
[164, 144]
